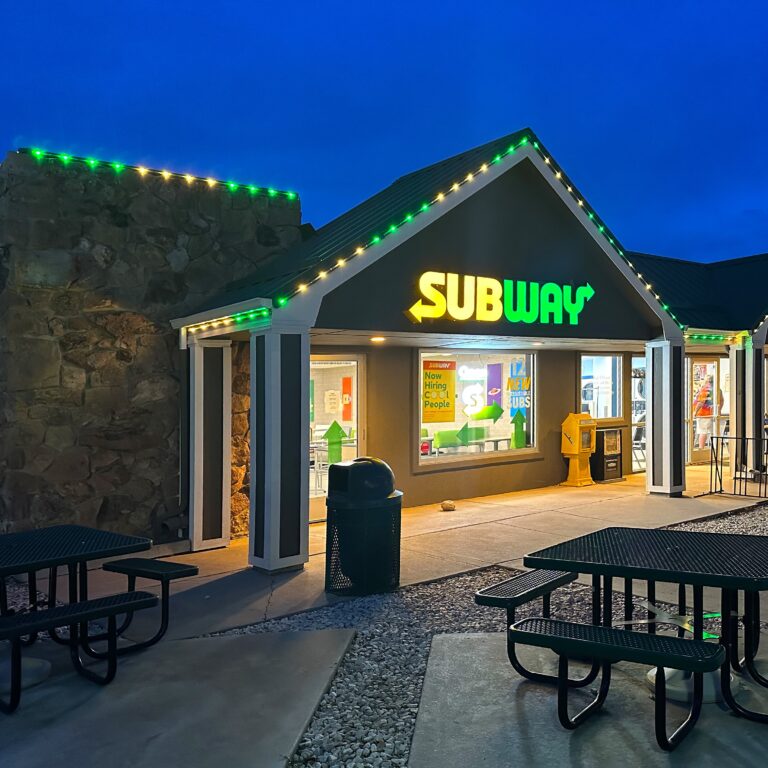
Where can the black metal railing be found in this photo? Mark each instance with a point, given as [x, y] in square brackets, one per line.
[738, 465]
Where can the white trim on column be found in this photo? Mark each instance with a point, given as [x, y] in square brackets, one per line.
[272, 442]
[253, 455]
[196, 402]
[733, 401]
[666, 485]
[271, 559]
[303, 555]
[226, 440]
[196, 443]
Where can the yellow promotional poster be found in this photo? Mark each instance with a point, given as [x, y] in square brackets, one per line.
[438, 391]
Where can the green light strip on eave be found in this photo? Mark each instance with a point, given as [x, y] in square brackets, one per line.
[237, 319]
[408, 217]
[116, 167]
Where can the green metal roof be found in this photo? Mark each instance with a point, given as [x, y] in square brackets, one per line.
[729, 295]
[374, 215]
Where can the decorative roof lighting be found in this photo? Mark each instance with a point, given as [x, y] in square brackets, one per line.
[93, 164]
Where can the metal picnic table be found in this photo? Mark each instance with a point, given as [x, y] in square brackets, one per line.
[729, 562]
[73, 546]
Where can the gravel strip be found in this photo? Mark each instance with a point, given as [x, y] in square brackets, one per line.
[753, 522]
[18, 595]
[367, 717]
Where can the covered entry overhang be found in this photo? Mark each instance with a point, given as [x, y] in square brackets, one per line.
[478, 227]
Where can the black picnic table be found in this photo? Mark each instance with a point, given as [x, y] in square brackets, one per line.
[729, 562]
[73, 546]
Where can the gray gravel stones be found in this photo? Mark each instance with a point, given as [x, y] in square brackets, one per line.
[367, 717]
[752, 521]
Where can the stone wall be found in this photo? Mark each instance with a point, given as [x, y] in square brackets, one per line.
[241, 437]
[93, 266]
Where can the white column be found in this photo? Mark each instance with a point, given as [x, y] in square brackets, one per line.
[665, 449]
[210, 486]
[279, 491]
[747, 409]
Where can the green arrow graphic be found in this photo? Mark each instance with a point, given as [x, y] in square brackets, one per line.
[518, 421]
[493, 411]
[334, 435]
[463, 435]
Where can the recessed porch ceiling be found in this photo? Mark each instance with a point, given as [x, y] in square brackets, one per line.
[323, 337]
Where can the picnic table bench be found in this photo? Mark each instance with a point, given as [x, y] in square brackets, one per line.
[729, 562]
[74, 616]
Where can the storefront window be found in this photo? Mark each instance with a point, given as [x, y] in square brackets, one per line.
[601, 386]
[638, 414]
[333, 418]
[475, 403]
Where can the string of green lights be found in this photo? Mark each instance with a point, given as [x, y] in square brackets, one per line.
[239, 317]
[66, 159]
[525, 141]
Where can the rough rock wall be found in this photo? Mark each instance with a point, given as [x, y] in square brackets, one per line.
[241, 437]
[93, 265]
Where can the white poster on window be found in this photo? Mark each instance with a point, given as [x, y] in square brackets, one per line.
[332, 400]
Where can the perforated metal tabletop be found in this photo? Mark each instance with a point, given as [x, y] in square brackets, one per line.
[724, 560]
[60, 545]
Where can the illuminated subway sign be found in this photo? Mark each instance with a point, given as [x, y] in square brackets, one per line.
[469, 297]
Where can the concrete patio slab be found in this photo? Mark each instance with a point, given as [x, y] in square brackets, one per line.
[480, 531]
[193, 703]
[476, 711]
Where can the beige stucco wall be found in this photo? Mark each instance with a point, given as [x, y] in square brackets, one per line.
[391, 394]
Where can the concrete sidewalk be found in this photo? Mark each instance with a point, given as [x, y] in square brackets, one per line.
[482, 531]
[240, 701]
[477, 711]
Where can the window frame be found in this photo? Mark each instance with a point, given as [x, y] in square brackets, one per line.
[607, 421]
[480, 458]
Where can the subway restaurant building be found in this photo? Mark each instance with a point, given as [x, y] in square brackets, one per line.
[448, 325]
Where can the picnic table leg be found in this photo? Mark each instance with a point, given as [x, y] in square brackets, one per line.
[563, 684]
[728, 634]
[628, 605]
[652, 601]
[15, 688]
[32, 601]
[596, 598]
[751, 636]
[607, 601]
[53, 577]
[668, 743]
[3, 597]
[75, 643]
[681, 606]
[538, 677]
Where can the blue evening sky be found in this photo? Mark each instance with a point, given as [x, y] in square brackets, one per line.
[658, 110]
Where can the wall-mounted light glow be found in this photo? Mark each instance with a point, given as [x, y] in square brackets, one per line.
[378, 339]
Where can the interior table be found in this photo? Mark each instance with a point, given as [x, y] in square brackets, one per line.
[729, 562]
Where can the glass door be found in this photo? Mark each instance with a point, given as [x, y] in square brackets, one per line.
[637, 426]
[708, 390]
[335, 421]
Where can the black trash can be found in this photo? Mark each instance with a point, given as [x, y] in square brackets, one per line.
[362, 554]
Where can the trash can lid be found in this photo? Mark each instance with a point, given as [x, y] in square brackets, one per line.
[363, 478]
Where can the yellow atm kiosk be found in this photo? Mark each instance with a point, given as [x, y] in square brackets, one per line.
[577, 445]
